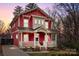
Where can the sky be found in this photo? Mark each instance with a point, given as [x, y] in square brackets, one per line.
[7, 9]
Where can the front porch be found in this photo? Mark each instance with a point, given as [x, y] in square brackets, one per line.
[39, 37]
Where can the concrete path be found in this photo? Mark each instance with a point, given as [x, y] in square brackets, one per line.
[9, 50]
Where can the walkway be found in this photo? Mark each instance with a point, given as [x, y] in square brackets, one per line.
[9, 50]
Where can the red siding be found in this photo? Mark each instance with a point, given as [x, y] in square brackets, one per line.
[49, 24]
[41, 38]
[16, 41]
[14, 28]
[21, 21]
[35, 12]
[31, 36]
[30, 22]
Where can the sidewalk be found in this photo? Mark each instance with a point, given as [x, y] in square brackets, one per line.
[9, 50]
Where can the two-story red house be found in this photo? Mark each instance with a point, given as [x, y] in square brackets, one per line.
[32, 28]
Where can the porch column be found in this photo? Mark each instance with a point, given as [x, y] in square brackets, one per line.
[46, 40]
[21, 42]
[34, 40]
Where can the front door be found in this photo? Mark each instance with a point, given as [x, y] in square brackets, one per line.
[36, 39]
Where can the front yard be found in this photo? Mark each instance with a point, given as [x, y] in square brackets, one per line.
[52, 53]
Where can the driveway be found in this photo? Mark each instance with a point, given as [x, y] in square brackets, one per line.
[10, 50]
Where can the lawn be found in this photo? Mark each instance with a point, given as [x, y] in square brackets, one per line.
[54, 53]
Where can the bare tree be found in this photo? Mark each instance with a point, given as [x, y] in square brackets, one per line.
[71, 24]
[69, 16]
[57, 22]
[2, 27]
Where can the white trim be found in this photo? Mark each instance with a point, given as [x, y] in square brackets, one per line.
[25, 16]
[45, 41]
[39, 16]
[21, 42]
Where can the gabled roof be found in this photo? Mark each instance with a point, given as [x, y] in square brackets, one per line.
[15, 18]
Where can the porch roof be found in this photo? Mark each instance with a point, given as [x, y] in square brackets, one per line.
[39, 29]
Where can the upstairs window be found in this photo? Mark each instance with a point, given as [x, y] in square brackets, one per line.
[39, 21]
[42, 21]
[46, 25]
[36, 21]
[25, 22]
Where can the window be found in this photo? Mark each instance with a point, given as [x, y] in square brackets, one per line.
[26, 38]
[46, 25]
[35, 21]
[42, 21]
[39, 21]
[16, 36]
[25, 22]
[36, 39]
[11, 37]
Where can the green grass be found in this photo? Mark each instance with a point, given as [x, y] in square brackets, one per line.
[54, 53]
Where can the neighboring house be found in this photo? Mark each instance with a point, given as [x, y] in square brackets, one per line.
[32, 28]
[5, 38]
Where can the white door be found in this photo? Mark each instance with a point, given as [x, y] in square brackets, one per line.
[36, 39]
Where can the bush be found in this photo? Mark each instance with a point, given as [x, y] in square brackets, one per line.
[37, 48]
